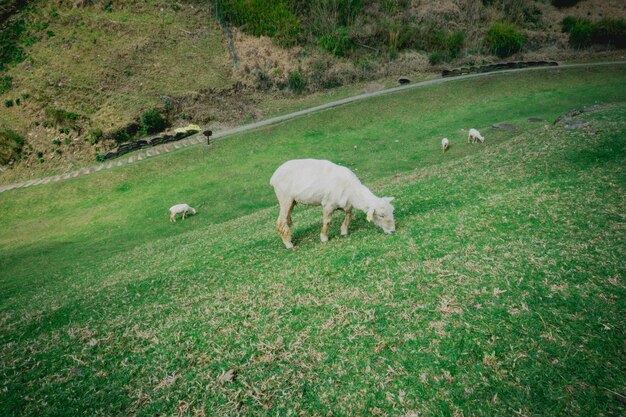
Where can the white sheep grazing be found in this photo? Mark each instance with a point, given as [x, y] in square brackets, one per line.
[444, 144]
[474, 136]
[320, 182]
[180, 208]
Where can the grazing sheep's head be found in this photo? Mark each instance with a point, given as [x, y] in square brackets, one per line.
[193, 210]
[382, 215]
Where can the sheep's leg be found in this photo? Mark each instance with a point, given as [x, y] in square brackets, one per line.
[283, 224]
[346, 223]
[172, 218]
[328, 214]
[184, 213]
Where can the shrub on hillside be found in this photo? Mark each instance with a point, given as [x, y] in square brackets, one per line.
[95, 136]
[610, 32]
[323, 17]
[263, 81]
[5, 84]
[11, 145]
[61, 117]
[125, 134]
[564, 3]
[152, 122]
[296, 81]
[262, 17]
[446, 47]
[583, 32]
[503, 40]
[438, 57]
[569, 22]
[337, 43]
[10, 50]
[580, 34]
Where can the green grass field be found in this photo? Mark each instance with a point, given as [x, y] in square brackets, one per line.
[502, 292]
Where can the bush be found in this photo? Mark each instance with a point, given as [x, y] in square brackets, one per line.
[296, 81]
[95, 136]
[120, 135]
[10, 50]
[262, 17]
[454, 43]
[503, 40]
[438, 57]
[564, 3]
[568, 23]
[263, 81]
[62, 117]
[5, 84]
[610, 32]
[8, 103]
[152, 122]
[337, 43]
[11, 145]
[580, 34]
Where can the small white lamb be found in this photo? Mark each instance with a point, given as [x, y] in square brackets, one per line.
[474, 136]
[444, 144]
[180, 208]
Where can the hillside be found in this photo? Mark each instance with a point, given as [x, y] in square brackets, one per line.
[79, 76]
[502, 291]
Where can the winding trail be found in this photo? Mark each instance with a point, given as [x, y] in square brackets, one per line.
[199, 138]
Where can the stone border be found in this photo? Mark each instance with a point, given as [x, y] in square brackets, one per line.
[497, 67]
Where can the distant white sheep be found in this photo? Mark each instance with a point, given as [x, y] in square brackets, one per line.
[180, 208]
[474, 136]
[445, 144]
[320, 182]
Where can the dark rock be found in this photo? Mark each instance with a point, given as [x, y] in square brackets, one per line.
[157, 141]
[504, 126]
[110, 155]
[168, 138]
[403, 80]
[128, 147]
[535, 119]
[573, 113]
[575, 124]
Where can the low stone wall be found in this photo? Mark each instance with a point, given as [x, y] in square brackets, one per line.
[496, 67]
[139, 144]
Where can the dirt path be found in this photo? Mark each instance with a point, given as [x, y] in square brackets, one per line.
[199, 139]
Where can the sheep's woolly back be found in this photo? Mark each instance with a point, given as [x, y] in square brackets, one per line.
[179, 208]
[313, 181]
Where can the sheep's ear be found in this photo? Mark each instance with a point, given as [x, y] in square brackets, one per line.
[370, 214]
[389, 199]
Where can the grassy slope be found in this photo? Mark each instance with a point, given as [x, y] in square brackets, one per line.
[505, 276]
[113, 66]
